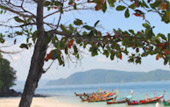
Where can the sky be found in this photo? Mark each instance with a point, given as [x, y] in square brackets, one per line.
[111, 19]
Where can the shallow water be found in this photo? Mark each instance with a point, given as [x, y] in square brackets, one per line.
[66, 93]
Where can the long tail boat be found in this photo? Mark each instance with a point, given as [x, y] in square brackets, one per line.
[148, 101]
[121, 100]
[100, 96]
[167, 103]
[103, 97]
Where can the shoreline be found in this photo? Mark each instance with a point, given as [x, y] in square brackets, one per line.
[37, 102]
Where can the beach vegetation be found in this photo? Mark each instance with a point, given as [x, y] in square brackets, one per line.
[7, 74]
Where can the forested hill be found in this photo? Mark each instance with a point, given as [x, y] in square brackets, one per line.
[111, 76]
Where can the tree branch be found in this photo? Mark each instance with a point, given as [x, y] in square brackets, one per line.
[68, 8]
[18, 25]
[16, 12]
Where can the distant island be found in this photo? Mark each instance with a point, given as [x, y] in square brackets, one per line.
[97, 76]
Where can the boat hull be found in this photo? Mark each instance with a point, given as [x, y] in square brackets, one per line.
[151, 100]
[116, 102]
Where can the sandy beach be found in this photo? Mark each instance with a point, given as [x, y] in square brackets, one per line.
[37, 102]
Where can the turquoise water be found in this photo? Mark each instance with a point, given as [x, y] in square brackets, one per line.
[66, 93]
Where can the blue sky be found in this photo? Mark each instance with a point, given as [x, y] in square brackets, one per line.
[111, 19]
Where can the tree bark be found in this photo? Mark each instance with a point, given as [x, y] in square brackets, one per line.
[37, 61]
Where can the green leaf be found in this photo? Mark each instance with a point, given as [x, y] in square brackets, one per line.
[75, 50]
[61, 61]
[166, 17]
[146, 25]
[96, 23]
[112, 55]
[127, 13]
[144, 4]
[138, 60]
[19, 33]
[55, 54]
[111, 2]
[48, 8]
[120, 8]
[169, 37]
[47, 3]
[75, 6]
[63, 28]
[104, 7]
[88, 27]
[57, 3]
[77, 56]
[93, 51]
[78, 22]
[165, 61]
[106, 53]
[62, 45]
[57, 44]
[132, 6]
[71, 27]
[152, 6]
[162, 36]
[61, 10]
[24, 46]
[118, 54]
[66, 51]
[131, 31]
[2, 40]
[17, 19]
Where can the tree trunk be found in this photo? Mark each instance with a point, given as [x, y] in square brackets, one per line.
[37, 61]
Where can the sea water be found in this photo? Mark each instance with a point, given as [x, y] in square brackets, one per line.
[66, 93]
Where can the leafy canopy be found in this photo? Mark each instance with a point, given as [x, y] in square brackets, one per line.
[7, 74]
[66, 39]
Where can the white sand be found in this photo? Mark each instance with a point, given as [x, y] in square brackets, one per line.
[37, 102]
